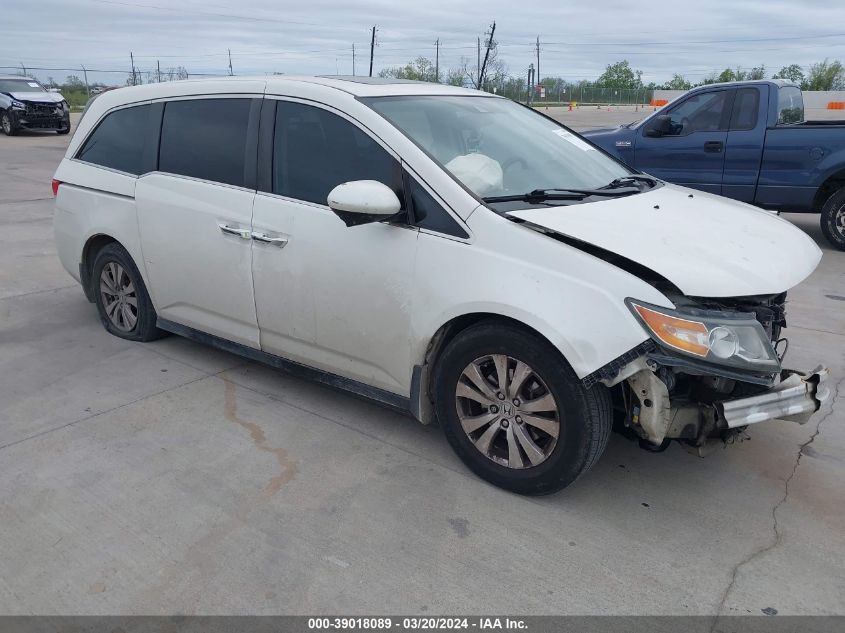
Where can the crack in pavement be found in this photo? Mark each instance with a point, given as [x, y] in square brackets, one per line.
[778, 535]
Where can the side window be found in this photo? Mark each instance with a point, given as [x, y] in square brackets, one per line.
[118, 141]
[315, 150]
[700, 113]
[427, 213]
[746, 106]
[205, 138]
[790, 105]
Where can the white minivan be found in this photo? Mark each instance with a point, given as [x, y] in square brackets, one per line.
[446, 252]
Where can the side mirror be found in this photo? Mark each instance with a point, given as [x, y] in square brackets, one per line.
[661, 125]
[363, 202]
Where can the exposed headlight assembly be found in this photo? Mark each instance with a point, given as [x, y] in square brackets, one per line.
[17, 105]
[737, 340]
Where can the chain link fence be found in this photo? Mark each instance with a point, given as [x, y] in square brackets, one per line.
[586, 94]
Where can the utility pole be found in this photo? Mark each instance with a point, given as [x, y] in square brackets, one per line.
[437, 60]
[230, 62]
[486, 55]
[132, 60]
[24, 69]
[372, 49]
[538, 60]
[85, 74]
[353, 59]
[158, 71]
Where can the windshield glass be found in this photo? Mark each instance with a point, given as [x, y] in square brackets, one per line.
[497, 147]
[21, 85]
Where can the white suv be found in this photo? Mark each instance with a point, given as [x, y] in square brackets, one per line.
[443, 251]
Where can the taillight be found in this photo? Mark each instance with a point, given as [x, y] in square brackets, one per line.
[56, 184]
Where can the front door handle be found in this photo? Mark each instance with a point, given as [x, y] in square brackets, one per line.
[244, 234]
[281, 242]
[714, 147]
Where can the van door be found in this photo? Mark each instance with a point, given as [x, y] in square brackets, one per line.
[693, 154]
[333, 297]
[195, 216]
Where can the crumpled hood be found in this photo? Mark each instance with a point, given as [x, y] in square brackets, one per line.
[708, 246]
[38, 97]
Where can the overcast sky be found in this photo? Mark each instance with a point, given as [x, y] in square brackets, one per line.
[577, 39]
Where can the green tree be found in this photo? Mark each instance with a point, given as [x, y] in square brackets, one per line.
[726, 75]
[421, 69]
[758, 72]
[73, 82]
[455, 77]
[678, 82]
[792, 73]
[620, 75]
[825, 76]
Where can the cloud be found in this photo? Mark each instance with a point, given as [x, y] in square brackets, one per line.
[577, 40]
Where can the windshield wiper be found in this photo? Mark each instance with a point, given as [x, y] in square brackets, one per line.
[631, 178]
[540, 195]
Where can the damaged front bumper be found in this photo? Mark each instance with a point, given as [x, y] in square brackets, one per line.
[657, 417]
[795, 398]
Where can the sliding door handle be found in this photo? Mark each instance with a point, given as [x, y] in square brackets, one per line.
[281, 242]
[244, 234]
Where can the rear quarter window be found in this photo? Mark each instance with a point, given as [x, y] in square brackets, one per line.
[790, 105]
[118, 141]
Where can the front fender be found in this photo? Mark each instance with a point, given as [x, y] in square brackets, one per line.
[573, 299]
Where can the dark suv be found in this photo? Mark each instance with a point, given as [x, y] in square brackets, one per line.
[27, 105]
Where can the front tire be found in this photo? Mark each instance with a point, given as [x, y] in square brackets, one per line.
[121, 296]
[515, 412]
[7, 123]
[833, 219]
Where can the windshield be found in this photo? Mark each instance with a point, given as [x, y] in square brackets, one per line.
[496, 147]
[20, 85]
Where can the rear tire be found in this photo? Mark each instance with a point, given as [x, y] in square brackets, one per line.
[7, 123]
[121, 296]
[567, 426]
[833, 219]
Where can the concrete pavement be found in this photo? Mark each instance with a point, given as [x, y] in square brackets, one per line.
[173, 478]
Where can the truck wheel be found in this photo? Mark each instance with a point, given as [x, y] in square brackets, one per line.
[121, 296]
[8, 124]
[833, 219]
[514, 411]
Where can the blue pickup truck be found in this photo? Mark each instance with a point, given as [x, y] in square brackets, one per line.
[745, 140]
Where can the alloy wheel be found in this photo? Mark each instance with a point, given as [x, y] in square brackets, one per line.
[839, 220]
[119, 298]
[507, 411]
[7, 123]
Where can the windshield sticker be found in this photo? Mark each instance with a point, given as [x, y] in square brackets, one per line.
[577, 142]
[32, 84]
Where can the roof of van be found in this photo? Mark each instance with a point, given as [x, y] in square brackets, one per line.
[356, 86]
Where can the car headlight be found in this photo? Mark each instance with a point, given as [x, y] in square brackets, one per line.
[737, 340]
[64, 106]
[17, 105]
